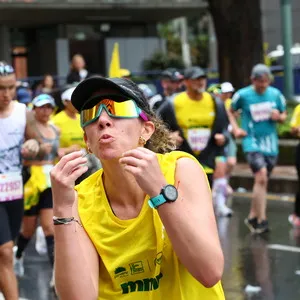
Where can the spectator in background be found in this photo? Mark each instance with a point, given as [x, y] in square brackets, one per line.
[148, 93]
[46, 86]
[78, 71]
[24, 94]
[171, 79]
[224, 164]
[68, 122]
[37, 188]
[198, 120]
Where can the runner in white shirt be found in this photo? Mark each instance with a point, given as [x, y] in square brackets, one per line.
[13, 117]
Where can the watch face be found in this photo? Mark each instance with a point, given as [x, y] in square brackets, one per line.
[170, 192]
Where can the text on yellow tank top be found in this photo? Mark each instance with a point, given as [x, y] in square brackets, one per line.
[71, 131]
[137, 259]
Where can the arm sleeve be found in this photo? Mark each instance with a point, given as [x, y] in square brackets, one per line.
[236, 103]
[281, 102]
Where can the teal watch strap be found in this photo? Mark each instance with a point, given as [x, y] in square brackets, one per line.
[157, 201]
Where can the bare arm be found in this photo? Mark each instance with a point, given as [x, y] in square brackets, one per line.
[76, 260]
[295, 131]
[189, 221]
[236, 130]
[191, 226]
[282, 117]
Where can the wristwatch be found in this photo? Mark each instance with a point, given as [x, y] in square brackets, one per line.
[168, 193]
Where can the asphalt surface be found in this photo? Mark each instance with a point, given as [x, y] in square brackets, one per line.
[256, 267]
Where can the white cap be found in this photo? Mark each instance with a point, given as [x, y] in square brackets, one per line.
[67, 95]
[226, 87]
[43, 99]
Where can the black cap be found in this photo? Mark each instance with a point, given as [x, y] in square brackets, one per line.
[171, 74]
[91, 90]
[194, 73]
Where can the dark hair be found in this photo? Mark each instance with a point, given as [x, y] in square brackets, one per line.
[44, 78]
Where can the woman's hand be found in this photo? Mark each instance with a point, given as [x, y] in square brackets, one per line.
[63, 177]
[63, 151]
[220, 139]
[143, 165]
[176, 137]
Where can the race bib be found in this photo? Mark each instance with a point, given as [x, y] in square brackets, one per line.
[261, 111]
[198, 138]
[11, 187]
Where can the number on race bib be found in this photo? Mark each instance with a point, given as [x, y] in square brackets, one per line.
[198, 138]
[11, 187]
[261, 111]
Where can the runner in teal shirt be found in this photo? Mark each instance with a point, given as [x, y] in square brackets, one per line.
[256, 118]
[261, 106]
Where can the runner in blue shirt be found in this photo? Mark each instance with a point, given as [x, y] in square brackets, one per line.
[261, 106]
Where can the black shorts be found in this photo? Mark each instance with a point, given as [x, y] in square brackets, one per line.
[11, 214]
[45, 202]
[257, 161]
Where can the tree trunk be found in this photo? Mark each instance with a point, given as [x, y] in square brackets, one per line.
[239, 35]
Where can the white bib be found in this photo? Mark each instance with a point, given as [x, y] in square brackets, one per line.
[198, 138]
[261, 111]
[11, 187]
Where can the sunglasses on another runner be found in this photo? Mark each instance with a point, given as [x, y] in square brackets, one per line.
[122, 110]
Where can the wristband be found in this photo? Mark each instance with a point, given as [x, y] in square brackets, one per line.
[65, 221]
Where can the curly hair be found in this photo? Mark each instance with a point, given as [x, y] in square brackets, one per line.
[160, 141]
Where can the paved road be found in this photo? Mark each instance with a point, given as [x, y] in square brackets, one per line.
[252, 262]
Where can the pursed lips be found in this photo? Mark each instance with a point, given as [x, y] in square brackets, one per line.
[106, 138]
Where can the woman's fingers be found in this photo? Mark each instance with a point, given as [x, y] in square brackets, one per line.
[140, 153]
[71, 165]
[132, 161]
[76, 173]
[69, 157]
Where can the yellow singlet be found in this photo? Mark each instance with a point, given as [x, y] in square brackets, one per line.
[295, 121]
[195, 118]
[137, 258]
[71, 132]
[228, 103]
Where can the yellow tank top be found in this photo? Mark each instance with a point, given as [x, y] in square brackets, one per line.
[71, 131]
[137, 258]
[295, 121]
[195, 118]
[228, 103]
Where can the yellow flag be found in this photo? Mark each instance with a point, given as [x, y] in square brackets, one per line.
[114, 69]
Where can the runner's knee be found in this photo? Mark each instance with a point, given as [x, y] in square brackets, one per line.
[6, 254]
[261, 177]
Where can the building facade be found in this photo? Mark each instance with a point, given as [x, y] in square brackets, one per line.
[42, 35]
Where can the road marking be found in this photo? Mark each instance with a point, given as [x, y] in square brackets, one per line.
[284, 248]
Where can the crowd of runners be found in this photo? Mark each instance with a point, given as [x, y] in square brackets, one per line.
[40, 125]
